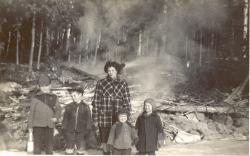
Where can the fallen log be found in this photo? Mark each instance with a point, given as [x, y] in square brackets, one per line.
[85, 75]
[6, 109]
[163, 106]
[242, 103]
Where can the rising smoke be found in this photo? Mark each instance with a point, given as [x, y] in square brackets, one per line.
[168, 30]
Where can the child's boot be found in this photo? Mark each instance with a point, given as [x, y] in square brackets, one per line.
[69, 151]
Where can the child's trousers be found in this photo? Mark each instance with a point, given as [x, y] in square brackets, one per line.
[146, 153]
[43, 138]
[75, 138]
[116, 151]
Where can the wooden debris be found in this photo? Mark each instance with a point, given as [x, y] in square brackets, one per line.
[184, 137]
[237, 92]
[13, 99]
[196, 108]
[83, 74]
[5, 109]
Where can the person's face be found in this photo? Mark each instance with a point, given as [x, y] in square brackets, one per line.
[122, 118]
[148, 108]
[112, 72]
[76, 96]
[45, 89]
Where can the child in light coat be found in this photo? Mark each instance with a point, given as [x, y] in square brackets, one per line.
[122, 135]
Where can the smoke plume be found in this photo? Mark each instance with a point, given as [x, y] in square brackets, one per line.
[168, 35]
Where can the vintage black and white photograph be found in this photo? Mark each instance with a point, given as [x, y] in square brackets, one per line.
[124, 77]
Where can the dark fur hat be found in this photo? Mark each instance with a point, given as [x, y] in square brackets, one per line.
[75, 88]
[114, 64]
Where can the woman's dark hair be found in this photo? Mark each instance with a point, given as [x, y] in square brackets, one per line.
[114, 64]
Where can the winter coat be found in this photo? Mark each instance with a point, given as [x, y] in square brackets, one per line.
[122, 136]
[43, 108]
[77, 117]
[110, 95]
[149, 127]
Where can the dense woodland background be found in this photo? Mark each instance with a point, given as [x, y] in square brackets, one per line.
[190, 55]
[207, 42]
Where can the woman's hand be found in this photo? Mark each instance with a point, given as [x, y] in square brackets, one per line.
[30, 130]
[54, 119]
[95, 124]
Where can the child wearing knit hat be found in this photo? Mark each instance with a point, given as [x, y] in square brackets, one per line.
[45, 112]
[149, 129]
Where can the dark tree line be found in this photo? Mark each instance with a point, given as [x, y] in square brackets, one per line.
[203, 35]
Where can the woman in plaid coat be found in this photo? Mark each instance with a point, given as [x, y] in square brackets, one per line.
[111, 94]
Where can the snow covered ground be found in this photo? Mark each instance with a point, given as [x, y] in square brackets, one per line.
[225, 147]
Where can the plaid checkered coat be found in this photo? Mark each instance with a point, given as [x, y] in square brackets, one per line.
[109, 95]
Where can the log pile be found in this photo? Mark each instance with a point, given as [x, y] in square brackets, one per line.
[14, 104]
[185, 118]
[13, 117]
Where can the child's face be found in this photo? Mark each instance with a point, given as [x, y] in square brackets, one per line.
[122, 118]
[45, 89]
[76, 96]
[148, 108]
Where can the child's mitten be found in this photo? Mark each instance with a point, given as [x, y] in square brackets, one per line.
[161, 139]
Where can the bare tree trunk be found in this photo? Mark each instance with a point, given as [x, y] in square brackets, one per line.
[40, 47]
[139, 52]
[201, 40]
[246, 26]
[57, 38]
[147, 46]
[116, 53]
[69, 56]
[186, 48]
[80, 58]
[232, 38]
[87, 47]
[200, 49]
[246, 11]
[17, 46]
[163, 40]
[62, 36]
[212, 38]
[156, 49]
[212, 43]
[32, 43]
[125, 31]
[8, 44]
[67, 41]
[215, 45]
[97, 47]
[47, 41]
[187, 53]
[81, 51]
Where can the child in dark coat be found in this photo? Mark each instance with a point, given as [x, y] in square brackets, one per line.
[149, 128]
[122, 135]
[76, 123]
